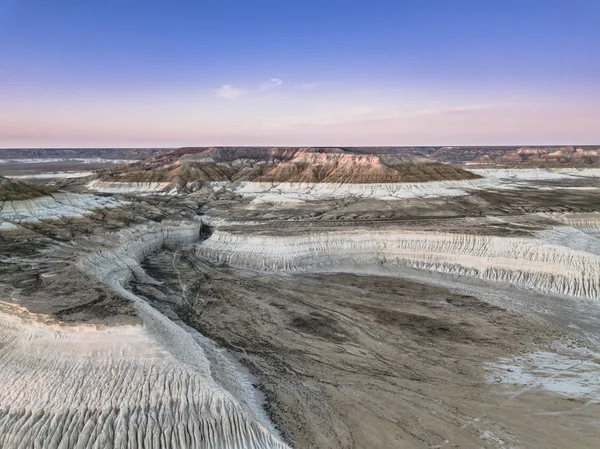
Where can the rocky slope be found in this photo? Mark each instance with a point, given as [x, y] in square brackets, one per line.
[525, 262]
[189, 168]
[14, 190]
[86, 387]
[344, 168]
[276, 192]
[54, 207]
[158, 385]
[21, 203]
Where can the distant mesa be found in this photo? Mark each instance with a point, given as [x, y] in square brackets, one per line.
[190, 168]
[538, 157]
[280, 164]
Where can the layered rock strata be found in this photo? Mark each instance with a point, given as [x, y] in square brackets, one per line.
[190, 167]
[525, 262]
[159, 385]
[127, 187]
[226, 404]
[281, 192]
[54, 207]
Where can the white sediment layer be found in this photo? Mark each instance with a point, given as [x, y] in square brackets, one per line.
[526, 262]
[296, 192]
[572, 238]
[537, 174]
[306, 191]
[492, 178]
[6, 226]
[588, 223]
[127, 187]
[82, 387]
[276, 199]
[52, 175]
[569, 371]
[158, 385]
[54, 207]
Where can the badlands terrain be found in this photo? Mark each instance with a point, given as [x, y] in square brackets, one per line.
[436, 297]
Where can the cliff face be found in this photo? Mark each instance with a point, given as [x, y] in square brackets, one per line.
[312, 167]
[506, 156]
[330, 165]
[489, 179]
[525, 262]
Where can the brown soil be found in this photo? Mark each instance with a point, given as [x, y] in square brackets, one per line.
[349, 361]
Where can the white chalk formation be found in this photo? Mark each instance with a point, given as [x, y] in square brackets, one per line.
[294, 192]
[54, 207]
[128, 187]
[51, 160]
[81, 387]
[297, 192]
[218, 401]
[526, 262]
[567, 370]
[536, 174]
[53, 175]
[158, 385]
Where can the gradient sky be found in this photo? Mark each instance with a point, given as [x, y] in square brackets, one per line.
[159, 73]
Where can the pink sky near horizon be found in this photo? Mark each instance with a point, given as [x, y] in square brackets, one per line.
[275, 113]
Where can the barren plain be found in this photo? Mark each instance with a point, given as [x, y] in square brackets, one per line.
[303, 297]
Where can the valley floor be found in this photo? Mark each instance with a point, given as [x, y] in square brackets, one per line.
[349, 360]
[234, 317]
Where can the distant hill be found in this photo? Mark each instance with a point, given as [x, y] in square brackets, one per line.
[105, 153]
[513, 156]
[531, 156]
[283, 164]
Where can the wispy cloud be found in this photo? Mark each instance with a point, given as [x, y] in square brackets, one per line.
[463, 109]
[368, 113]
[271, 84]
[230, 92]
[310, 86]
[332, 116]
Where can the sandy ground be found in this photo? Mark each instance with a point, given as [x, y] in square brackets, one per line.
[349, 361]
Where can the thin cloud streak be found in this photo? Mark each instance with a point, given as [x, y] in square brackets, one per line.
[366, 113]
[232, 93]
[229, 92]
[280, 114]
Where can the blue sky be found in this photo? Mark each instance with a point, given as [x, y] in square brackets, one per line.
[418, 72]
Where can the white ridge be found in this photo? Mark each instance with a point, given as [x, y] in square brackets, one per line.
[526, 262]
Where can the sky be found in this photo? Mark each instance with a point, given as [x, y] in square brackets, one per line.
[169, 73]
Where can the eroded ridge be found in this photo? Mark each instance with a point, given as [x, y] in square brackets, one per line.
[83, 387]
[158, 385]
[54, 207]
[526, 262]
